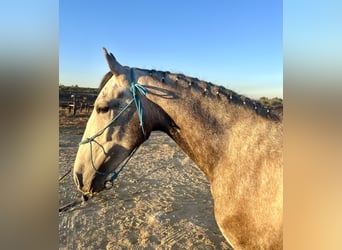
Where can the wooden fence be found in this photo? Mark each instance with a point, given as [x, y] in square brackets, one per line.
[77, 102]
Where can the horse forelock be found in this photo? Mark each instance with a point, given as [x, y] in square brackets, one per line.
[104, 80]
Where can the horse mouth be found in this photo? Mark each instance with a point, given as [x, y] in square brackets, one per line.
[93, 188]
[85, 197]
[88, 195]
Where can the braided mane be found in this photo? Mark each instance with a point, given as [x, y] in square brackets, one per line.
[209, 90]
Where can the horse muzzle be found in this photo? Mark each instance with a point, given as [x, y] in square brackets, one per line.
[89, 186]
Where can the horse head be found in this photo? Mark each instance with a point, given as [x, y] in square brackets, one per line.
[114, 130]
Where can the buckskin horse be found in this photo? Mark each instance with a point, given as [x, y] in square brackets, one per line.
[233, 139]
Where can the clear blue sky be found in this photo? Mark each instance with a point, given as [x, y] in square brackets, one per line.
[234, 43]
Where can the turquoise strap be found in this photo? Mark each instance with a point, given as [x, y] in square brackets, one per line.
[136, 90]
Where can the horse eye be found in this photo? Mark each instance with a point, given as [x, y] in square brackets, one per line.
[102, 109]
[121, 95]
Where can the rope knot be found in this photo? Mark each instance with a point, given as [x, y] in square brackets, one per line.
[87, 140]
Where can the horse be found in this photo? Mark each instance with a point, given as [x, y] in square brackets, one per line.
[233, 139]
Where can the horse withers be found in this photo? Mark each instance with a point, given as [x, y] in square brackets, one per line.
[234, 140]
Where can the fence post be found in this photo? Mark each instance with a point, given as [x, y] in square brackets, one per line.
[73, 97]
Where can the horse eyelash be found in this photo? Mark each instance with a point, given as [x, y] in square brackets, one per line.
[102, 109]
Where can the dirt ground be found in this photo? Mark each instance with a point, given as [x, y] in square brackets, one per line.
[160, 201]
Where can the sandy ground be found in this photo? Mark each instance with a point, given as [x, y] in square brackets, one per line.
[160, 201]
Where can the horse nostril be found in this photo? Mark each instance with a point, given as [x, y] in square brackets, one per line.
[78, 180]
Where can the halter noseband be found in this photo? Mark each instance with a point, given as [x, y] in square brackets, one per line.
[135, 89]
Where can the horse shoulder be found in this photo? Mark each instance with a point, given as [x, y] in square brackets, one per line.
[248, 206]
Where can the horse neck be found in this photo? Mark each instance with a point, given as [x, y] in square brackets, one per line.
[196, 117]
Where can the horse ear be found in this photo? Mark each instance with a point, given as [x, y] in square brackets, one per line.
[113, 64]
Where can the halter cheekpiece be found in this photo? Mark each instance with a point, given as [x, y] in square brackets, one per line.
[136, 89]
